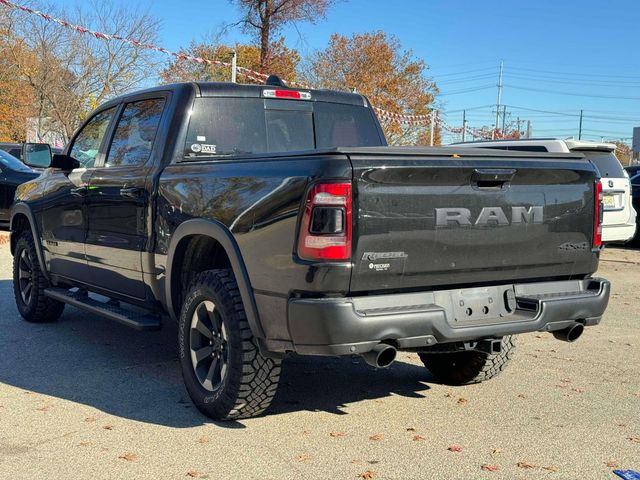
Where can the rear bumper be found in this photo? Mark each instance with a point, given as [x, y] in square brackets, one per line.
[342, 326]
[618, 233]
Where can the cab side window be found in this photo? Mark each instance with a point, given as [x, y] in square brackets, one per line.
[136, 131]
[87, 143]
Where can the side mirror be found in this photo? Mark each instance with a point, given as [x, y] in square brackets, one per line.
[64, 162]
[36, 155]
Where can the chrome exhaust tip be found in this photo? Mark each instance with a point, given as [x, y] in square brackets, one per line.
[570, 334]
[381, 356]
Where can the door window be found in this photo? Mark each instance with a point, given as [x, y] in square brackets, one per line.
[87, 143]
[136, 131]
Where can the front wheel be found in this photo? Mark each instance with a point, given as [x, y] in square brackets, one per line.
[29, 284]
[225, 374]
[464, 368]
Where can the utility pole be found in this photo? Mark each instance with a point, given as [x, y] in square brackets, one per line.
[431, 127]
[504, 119]
[580, 129]
[529, 129]
[234, 69]
[493, 135]
[464, 125]
[518, 123]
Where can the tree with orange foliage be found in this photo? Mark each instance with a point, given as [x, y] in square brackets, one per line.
[16, 96]
[283, 62]
[375, 65]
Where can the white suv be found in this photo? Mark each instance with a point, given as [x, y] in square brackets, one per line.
[619, 223]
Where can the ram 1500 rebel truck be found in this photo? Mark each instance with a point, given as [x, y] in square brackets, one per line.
[267, 220]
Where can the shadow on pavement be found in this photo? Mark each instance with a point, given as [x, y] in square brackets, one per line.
[135, 375]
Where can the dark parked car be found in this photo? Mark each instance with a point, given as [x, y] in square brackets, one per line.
[267, 220]
[12, 173]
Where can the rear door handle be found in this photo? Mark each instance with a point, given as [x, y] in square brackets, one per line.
[131, 192]
[492, 177]
[79, 192]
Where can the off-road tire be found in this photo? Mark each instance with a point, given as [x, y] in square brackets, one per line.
[464, 368]
[251, 380]
[38, 308]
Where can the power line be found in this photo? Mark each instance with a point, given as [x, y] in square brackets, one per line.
[555, 92]
[464, 80]
[575, 81]
[467, 90]
[573, 73]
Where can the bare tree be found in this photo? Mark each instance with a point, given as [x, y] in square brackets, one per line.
[265, 18]
[73, 73]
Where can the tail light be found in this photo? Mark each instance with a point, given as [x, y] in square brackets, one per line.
[292, 94]
[325, 231]
[598, 215]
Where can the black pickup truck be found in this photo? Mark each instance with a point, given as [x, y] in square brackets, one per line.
[268, 220]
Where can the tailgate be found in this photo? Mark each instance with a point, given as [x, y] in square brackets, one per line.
[433, 221]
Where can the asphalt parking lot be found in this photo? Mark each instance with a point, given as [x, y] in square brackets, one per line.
[85, 398]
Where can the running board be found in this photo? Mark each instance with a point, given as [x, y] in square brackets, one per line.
[110, 310]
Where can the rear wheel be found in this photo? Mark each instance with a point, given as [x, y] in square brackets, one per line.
[29, 284]
[464, 368]
[225, 374]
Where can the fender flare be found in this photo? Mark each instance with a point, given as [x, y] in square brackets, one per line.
[22, 208]
[224, 237]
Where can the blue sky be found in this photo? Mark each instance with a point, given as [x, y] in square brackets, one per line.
[583, 49]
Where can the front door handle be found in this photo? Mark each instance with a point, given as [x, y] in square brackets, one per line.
[131, 192]
[79, 192]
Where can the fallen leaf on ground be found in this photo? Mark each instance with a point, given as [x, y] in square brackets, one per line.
[454, 448]
[487, 467]
[43, 409]
[411, 429]
[338, 434]
[85, 444]
[203, 440]
[635, 439]
[193, 473]
[376, 438]
[550, 468]
[496, 451]
[129, 457]
[303, 457]
[522, 396]
[526, 465]
[108, 427]
[90, 419]
[462, 401]
[448, 395]
[417, 438]
[612, 464]
[578, 390]
[368, 475]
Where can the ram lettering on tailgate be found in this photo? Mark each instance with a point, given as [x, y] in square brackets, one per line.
[488, 216]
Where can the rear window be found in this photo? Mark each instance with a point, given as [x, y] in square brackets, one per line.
[606, 162]
[234, 126]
